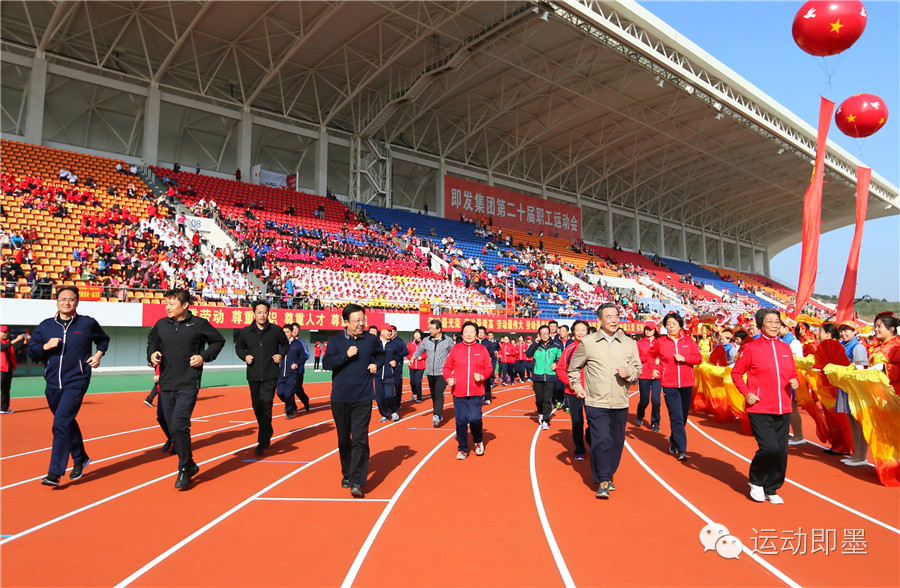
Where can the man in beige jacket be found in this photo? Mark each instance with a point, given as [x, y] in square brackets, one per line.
[611, 364]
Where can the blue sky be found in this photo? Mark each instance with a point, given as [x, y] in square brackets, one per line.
[754, 40]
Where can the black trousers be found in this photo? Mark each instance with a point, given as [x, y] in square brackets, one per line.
[769, 465]
[607, 440]
[178, 406]
[543, 398]
[437, 385]
[351, 421]
[5, 388]
[580, 435]
[299, 392]
[262, 394]
[415, 382]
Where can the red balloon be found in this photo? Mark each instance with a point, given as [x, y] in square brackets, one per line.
[824, 28]
[861, 115]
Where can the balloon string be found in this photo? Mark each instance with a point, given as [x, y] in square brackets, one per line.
[824, 66]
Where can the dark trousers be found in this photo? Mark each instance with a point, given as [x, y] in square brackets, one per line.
[529, 369]
[398, 389]
[178, 406]
[506, 372]
[579, 433]
[489, 383]
[153, 392]
[316, 363]
[262, 395]
[559, 392]
[519, 367]
[384, 396]
[678, 403]
[467, 411]
[5, 388]
[65, 403]
[650, 390]
[351, 421]
[299, 391]
[415, 382]
[607, 430]
[161, 419]
[285, 389]
[769, 465]
[437, 385]
[543, 398]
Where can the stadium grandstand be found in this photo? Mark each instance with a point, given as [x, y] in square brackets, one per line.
[507, 162]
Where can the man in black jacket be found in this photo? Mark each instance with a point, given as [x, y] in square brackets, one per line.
[353, 356]
[261, 346]
[180, 344]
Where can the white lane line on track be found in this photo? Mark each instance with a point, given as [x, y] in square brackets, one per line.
[542, 515]
[781, 575]
[94, 462]
[801, 486]
[376, 528]
[145, 484]
[150, 565]
[147, 428]
[356, 500]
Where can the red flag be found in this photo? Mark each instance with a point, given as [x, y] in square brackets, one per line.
[848, 289]
[812, 213]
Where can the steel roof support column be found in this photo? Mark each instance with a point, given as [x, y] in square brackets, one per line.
[321, 163]
[609, 226]
[684, 251]
[439, 188]
[151, 126]
[244, 138]
[722, 251]
[766, 268]
[37, 90]
[737, 254]
[661, 250]
[703, 247]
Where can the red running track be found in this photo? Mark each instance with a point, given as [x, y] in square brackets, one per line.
[427, 519]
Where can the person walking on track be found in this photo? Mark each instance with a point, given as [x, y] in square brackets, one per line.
[466, 370]
[438, 347]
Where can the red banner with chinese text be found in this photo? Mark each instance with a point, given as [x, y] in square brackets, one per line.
[222, 317]
[89, 292]
[453, 323]
[510, 210]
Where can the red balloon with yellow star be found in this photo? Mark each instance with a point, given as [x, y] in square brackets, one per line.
[861, 115]
[824, 28]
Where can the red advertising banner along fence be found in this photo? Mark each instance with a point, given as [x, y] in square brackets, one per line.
[510, 210]
[223, 317]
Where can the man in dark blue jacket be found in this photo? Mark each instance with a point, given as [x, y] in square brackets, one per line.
[287, 373]
[180, 344]
[299, 392]
[64, 343]
[353, 357]
[262, 346]
[398, 346]
[493, 349]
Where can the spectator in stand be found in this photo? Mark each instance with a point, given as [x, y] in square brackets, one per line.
[237, 174]
[648, 384]
[465, 371]
[677, 354]
[771, 378]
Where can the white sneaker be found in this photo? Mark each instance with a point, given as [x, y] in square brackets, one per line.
[479, 449]
[395, 416]
[7, 412]
[796, 441]
[461, 455]
[774, 499]
[545, 426]
[853, 464]
[435, 421]
[383, 420]
[757, 493]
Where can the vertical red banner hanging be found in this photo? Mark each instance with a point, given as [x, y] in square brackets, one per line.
[848, 289]
[812, 213]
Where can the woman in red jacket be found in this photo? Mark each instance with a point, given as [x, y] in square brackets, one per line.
[771, 378]
[677, 353]
[467, 367]
[416, 366]
[647, 382]
[580, 434]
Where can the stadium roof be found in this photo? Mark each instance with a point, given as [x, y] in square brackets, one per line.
[595, 103]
